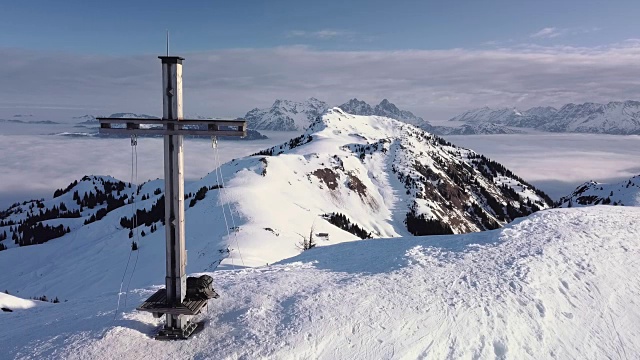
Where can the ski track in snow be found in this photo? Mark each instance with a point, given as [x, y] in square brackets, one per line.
[560, 284]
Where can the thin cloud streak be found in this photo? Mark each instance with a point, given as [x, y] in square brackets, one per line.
[547, 33]
[435, 84]
[324, 34]
[554, 32]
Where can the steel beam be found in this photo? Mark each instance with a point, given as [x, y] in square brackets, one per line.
[180, 132]
[237, 122]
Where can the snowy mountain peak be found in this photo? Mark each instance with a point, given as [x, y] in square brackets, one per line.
[357, 107]
[440, 188]
[286, 115]
[384, 108]
[593, 193]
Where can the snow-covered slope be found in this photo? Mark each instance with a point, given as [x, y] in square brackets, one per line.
[559, 284]
[10, 303]
[348, 176]
[541, 112]
[285, 115]
[380, 168]
[592, 193]
[612, 118]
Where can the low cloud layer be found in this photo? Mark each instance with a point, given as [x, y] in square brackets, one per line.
[558, 163]
[435, 84]
[34, 166]
[324, 34]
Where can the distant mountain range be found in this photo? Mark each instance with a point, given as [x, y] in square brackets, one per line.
[475, 129]
[620, 118]
[86, 119]
[91, 119]
[286, 115]
[33, 122]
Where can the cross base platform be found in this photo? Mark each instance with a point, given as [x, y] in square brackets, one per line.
[177, 333]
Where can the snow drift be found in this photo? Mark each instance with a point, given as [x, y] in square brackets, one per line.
[560, 283]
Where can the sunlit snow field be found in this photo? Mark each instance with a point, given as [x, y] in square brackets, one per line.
[34, 164]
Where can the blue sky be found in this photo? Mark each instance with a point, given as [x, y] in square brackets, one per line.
[134, 27]
[243, 54]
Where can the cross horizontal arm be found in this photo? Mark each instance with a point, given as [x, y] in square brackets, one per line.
[189, 132]
[131, 126]
[239, 122]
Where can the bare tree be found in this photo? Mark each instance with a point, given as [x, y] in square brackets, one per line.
[307, 242]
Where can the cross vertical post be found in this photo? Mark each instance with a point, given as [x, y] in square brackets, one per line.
[182, 297]
[176, 260]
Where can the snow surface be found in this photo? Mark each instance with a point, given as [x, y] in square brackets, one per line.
[11, 302]
[561, 283]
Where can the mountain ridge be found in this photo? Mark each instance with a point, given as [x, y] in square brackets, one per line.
[615, 117]
[287, 115]
[381, 176]
[623, 193]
